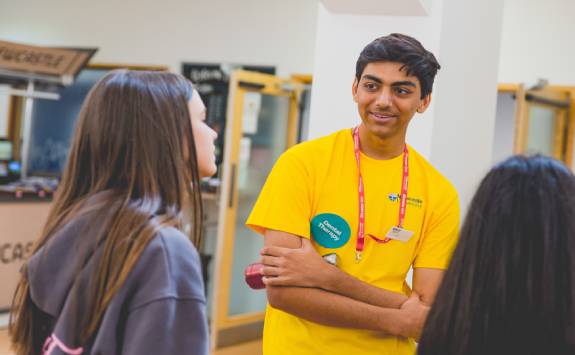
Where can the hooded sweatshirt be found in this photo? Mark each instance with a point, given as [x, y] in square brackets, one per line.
[160, 308]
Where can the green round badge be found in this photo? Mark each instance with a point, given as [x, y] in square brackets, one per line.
[330, 230]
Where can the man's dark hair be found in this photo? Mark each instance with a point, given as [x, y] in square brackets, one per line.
[510, 286]
[403, 49]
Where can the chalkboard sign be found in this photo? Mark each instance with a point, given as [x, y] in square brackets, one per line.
[212, 82]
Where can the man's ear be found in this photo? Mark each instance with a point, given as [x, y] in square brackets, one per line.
[354, 89]
[424, 104]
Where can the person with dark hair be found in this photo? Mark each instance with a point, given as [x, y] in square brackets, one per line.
[365, 200]
[112, 272]
[510, 286]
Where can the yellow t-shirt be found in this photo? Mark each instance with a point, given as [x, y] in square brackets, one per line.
[317, 183]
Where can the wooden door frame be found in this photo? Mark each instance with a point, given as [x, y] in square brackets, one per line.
[241, 82]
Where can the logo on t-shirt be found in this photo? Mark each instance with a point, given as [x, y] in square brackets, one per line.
[411, 201]
[330, 230]
[393, 197]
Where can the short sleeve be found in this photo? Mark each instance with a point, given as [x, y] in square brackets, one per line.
[441, 233]
[285, 201]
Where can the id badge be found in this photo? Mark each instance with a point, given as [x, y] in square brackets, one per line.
[400, 234]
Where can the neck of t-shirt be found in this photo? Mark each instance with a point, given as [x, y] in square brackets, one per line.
[381, 148]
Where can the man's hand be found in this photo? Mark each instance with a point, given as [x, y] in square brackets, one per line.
[352, 304]
[413, 315]
[300, 267]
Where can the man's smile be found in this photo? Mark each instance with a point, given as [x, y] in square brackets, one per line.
[382, 117]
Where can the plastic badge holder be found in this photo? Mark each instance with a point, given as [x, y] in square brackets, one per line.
[254, 276]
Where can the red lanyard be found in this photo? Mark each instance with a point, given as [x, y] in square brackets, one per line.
[402, 204]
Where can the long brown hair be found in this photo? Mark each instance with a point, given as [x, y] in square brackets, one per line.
[128, 149]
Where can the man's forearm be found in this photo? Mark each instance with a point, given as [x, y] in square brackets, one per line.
[344, 284]
[335, 310]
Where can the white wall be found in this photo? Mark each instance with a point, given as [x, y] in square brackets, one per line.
[339, 40]
[538, 41]
[279, 33]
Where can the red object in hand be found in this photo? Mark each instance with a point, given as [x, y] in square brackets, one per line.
[254, 276]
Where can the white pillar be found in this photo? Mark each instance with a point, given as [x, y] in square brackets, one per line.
[466, 92]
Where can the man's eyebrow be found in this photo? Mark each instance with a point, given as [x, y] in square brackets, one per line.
[397, 83]
[372, 78]
[404, 83]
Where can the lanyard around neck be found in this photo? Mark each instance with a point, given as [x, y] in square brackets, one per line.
[402, 204]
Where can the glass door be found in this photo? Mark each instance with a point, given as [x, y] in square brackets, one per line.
[545, 123]
[262, 125]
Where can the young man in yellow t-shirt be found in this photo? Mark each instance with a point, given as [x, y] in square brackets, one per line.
[361, 196]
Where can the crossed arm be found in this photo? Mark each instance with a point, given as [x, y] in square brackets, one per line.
[301, 283]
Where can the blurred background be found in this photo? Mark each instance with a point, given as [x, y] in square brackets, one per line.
[273, 73]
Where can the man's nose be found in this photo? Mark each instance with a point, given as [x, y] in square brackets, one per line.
[384, 98]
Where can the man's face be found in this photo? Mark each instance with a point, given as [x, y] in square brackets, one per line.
[387, 98]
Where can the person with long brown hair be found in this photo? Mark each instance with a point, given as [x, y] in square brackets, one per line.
[112, 272]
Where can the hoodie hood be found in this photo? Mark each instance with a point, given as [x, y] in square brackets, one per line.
[54, 268]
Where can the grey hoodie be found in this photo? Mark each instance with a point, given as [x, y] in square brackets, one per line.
[160, 309]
